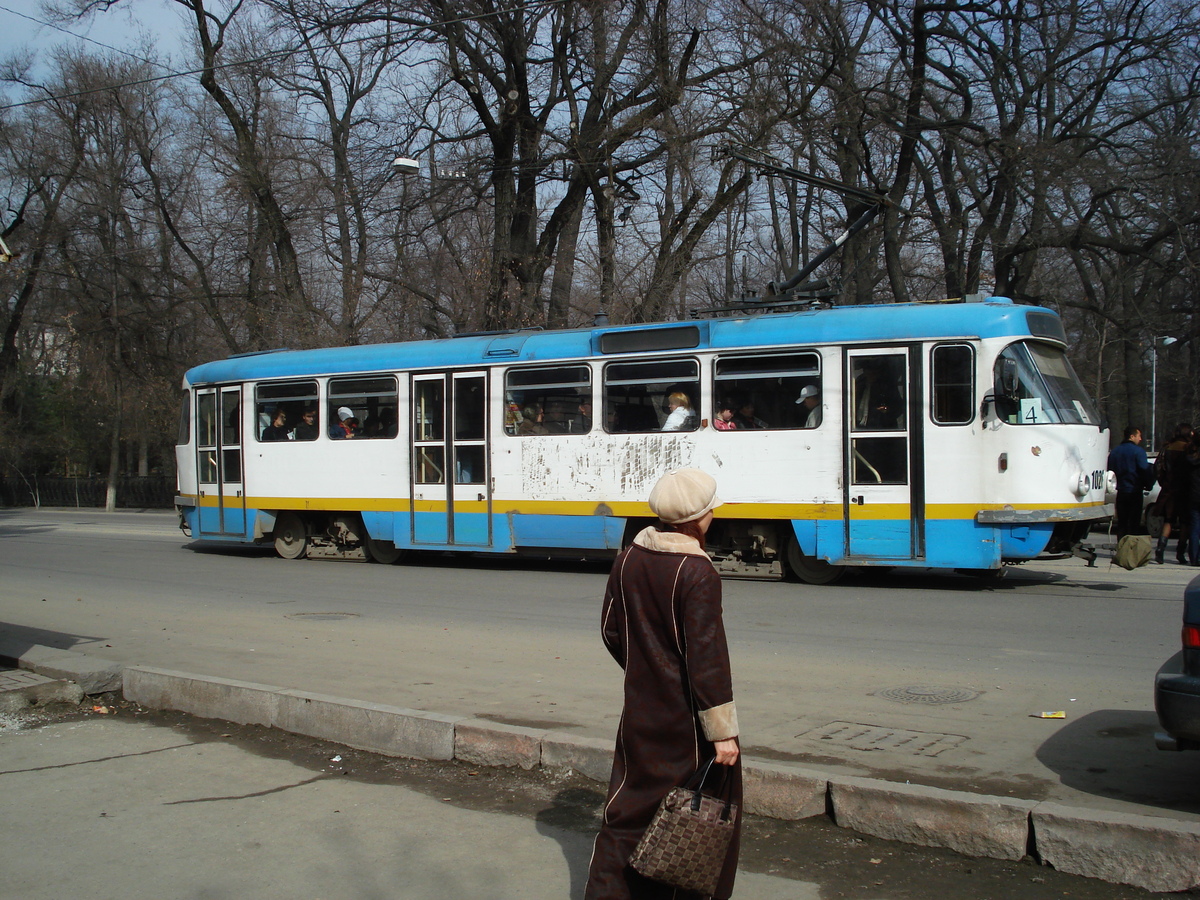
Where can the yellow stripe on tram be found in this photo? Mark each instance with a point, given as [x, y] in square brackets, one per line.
[630, 509]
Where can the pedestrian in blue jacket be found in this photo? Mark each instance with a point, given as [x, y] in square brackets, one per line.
[1128, 462]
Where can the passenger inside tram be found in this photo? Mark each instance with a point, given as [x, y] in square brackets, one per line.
[744, 417]
[681, 416]
[810, 404]
[582, 423]
[878, 402]
[723, 417]
[277, 430]
[533, 421]
[308, 429]
[346, 425]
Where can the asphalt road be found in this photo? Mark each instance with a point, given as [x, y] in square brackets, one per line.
[929, 677]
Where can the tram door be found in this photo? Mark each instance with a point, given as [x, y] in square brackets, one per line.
[219, 464]
[883, 508]
[451, 483]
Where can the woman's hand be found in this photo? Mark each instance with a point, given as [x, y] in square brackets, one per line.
[727, 751]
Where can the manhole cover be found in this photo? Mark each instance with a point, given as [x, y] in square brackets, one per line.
[857, 736]
[322, 616]
[927, 693]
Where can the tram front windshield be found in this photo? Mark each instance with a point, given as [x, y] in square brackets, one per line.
[1036, 385]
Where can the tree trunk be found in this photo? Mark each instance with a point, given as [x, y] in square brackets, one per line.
[114, 460]
[559, 311]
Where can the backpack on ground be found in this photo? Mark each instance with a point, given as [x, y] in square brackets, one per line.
[1133, 551]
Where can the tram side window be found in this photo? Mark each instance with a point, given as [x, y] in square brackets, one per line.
[780, 391]
[953, 368]
[287, 411]
[231, 412]
[363, 408]
[185, 419]
[206, 435]
[429, 429]
[662, 395]
[548, 400]
[878, 393]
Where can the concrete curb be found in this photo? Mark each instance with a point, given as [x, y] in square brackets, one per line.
[971, 824]
[93, 675]
[1113, 846]
[1156, 854]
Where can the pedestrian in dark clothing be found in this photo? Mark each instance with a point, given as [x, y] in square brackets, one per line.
[662, 623]
[1172, 474]
[1128, 462]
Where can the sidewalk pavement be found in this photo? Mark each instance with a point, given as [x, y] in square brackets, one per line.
[1157, 854]
[133, 810]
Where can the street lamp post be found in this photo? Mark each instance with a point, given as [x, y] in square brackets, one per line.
[1165, 341]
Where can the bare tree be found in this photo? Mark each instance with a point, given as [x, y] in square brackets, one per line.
[237, 94]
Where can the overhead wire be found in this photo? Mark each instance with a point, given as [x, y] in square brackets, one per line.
[267, 57]
[69, 33]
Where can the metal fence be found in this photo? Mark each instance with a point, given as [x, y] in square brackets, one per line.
[149, 492]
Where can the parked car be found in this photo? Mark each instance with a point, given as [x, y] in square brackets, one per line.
[1177, 684]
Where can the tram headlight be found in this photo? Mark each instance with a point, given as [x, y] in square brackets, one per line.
[1083, 484]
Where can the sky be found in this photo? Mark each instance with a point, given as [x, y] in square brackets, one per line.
[24, 25]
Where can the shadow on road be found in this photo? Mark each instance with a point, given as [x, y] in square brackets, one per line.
[1111, 753]
[561, 821]
[15, 640]
[12, 525]
[899, 578]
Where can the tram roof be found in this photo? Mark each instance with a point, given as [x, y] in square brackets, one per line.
[991, 317]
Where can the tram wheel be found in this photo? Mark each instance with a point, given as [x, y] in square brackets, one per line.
[809, 569]
[291, 540]
[383, 552]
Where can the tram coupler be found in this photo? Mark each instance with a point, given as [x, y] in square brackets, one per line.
[1085, 551]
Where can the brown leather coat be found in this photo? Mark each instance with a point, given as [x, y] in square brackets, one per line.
[662, 623]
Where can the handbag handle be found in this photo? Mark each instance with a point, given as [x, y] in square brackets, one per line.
[696, 782]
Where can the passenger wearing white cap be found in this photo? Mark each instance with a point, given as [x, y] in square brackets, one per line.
[662, 623]
[345, 426]
[810, 397]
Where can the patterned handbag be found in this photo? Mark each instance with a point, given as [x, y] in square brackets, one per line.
[688, 838]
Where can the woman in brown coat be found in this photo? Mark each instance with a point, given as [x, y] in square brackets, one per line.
[662, 623]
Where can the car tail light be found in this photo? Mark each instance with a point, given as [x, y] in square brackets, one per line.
[1191, 637]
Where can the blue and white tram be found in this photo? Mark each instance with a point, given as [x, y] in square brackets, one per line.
[951, 435]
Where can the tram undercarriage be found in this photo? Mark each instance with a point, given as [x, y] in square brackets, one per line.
[327, 536]
[758, 549]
